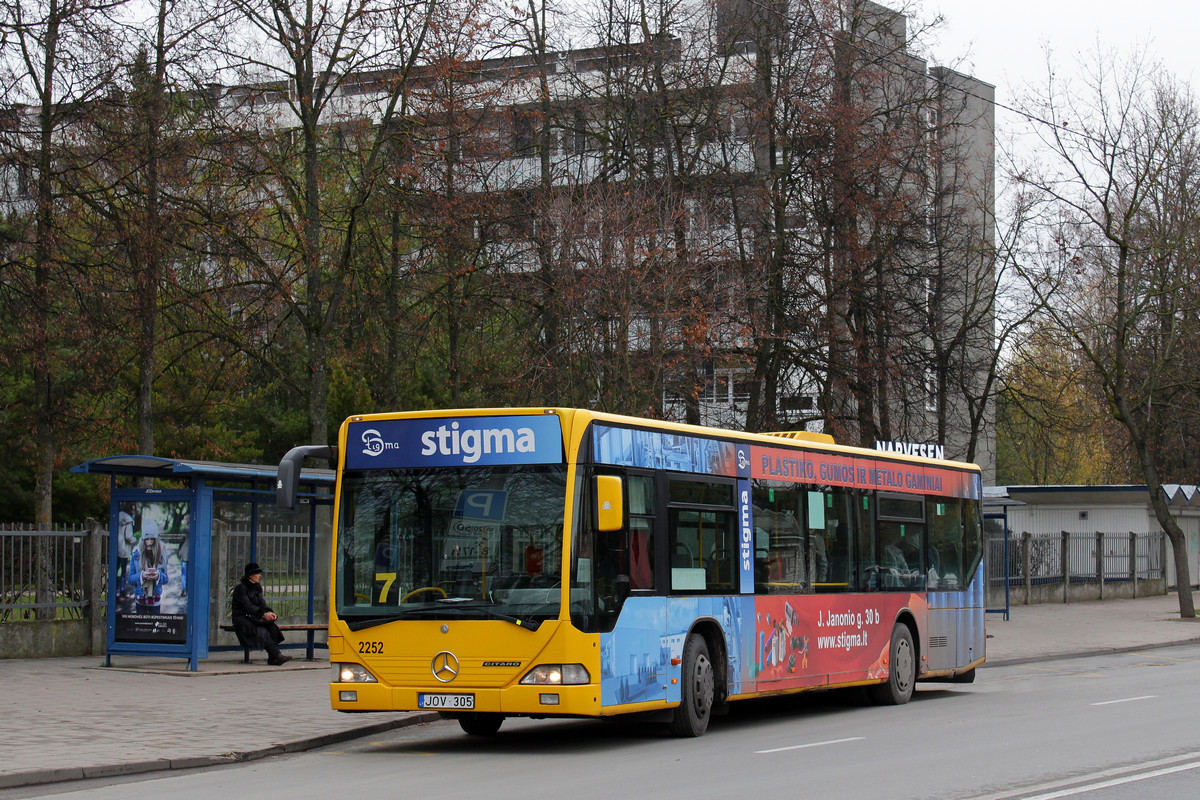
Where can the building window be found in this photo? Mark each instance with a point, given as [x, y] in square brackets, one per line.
[524, 140]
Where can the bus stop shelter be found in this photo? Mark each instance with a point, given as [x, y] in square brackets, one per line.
[180, 532]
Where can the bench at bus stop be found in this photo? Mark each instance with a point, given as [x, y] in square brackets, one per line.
[310, 628]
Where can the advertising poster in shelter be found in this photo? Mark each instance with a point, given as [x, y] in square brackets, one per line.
[151, 573]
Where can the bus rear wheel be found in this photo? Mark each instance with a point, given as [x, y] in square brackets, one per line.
[902, 670]
[480, 724]
[697, 690]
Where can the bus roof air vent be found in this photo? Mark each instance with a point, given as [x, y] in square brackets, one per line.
[802, 436]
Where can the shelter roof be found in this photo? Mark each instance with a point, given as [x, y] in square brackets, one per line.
[1178, 495]
[998, 497]
[168, 467]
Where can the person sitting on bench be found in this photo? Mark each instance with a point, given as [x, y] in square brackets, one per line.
[253, 619]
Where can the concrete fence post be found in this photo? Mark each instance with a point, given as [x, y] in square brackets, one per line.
[1162, 560]
[1133, 570]
[43, 573]
[1026, 563]
[96, 610]
[1066, 569]
[1100, 562]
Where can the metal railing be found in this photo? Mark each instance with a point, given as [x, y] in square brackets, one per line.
[283, 552]
[1036, 559]
[43, 573]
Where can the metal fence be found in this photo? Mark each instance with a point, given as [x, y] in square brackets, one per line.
[1074, 558]
[43, 573]
[283, 552]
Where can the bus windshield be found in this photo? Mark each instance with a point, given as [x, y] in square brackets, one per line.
[450, 543]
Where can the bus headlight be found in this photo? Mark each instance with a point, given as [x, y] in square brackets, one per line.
[352, 673]
[556, 675]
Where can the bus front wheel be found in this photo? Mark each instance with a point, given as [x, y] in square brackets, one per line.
[902, 670]
[697, 690]
[480, 724]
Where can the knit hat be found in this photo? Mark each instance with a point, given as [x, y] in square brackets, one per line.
[252, 569]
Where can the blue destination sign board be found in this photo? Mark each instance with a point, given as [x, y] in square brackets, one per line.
[454, 442]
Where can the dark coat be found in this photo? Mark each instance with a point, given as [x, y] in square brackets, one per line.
[248, 609]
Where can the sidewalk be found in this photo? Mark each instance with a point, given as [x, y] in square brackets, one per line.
[70, 718]
[64, 719]
[1054, 630]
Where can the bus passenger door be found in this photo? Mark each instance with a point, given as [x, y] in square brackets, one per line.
[634, 653]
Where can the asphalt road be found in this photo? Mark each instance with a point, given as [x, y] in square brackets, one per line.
[1099, 728]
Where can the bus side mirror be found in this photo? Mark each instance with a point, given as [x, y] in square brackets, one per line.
[610, 503]
[287, 479]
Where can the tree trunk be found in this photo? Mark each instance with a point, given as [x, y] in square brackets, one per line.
[43, 375]
[1162, 513]
[1183, 579]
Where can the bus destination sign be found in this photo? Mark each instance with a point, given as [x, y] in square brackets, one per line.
[454, 442]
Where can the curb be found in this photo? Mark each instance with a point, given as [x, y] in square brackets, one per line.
[44, 776]
[1097, 651]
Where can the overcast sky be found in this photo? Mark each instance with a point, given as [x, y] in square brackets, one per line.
[1002, 40]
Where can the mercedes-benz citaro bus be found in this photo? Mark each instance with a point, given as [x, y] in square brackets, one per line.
[555, 562]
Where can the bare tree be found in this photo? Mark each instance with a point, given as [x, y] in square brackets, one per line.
[863, 227]
[537, 127]
[1122, 281]
[313, 149]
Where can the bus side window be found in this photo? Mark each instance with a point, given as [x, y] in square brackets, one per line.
[831, 524]
[866, 577]
[972, 540]
[900, 528]
[621, 561]
[641, 555]
[779, 558]
[945, 530]
[642, 511]
[703, 536]
[612, 570]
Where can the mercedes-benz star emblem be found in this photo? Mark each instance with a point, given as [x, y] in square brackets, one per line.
[445, 666]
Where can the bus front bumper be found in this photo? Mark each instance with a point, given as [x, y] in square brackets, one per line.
[582, 700]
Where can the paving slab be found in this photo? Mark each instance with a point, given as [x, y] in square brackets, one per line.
[71, 718]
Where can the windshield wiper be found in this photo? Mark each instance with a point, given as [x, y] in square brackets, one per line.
[521, 622]
[370, 622]
[450, 612]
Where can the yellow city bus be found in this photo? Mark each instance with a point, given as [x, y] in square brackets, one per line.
[547, 562]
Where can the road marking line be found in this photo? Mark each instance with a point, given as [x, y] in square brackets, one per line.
[1157, 657]
[813, 744]
[1126, 700]
[1091, 787]
[1067, 672]
[1171, 763]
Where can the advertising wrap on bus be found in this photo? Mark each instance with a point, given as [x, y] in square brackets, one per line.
[454, 442]
[837, 470]
[674, 451]
[788, 643]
